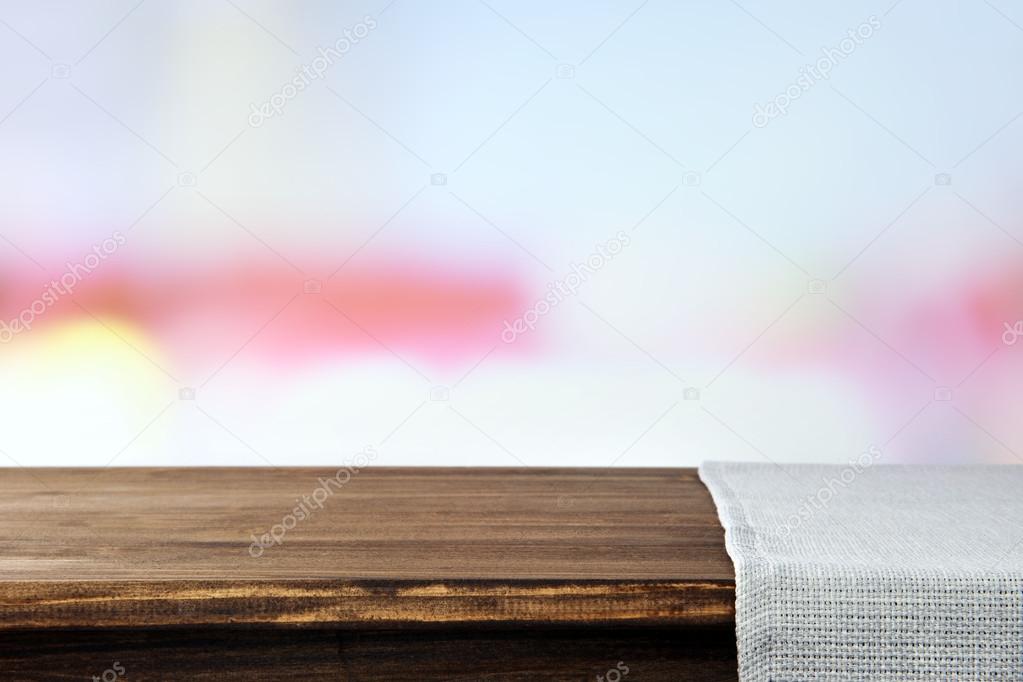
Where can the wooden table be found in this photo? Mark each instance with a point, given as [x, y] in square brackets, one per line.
[394, 574]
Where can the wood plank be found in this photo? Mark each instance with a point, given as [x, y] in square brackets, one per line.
[254, 655]
[194, 655]
[388, 548]
[622, 655]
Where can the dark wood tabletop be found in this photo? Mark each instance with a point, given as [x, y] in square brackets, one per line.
[386, 546]
[378, 574]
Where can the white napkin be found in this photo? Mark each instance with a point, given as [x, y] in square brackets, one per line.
[869, 572]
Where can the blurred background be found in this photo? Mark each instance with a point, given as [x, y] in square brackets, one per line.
[635, 233]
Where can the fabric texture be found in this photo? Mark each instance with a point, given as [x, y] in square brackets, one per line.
[870, 572]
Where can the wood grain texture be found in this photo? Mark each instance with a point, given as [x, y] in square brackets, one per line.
[194, 655]
[636, 655]
[390, 548]
[255, 655]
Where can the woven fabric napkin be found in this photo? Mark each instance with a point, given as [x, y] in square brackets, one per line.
[870, 572]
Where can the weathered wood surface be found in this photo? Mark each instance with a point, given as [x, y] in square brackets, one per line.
[390, 548]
